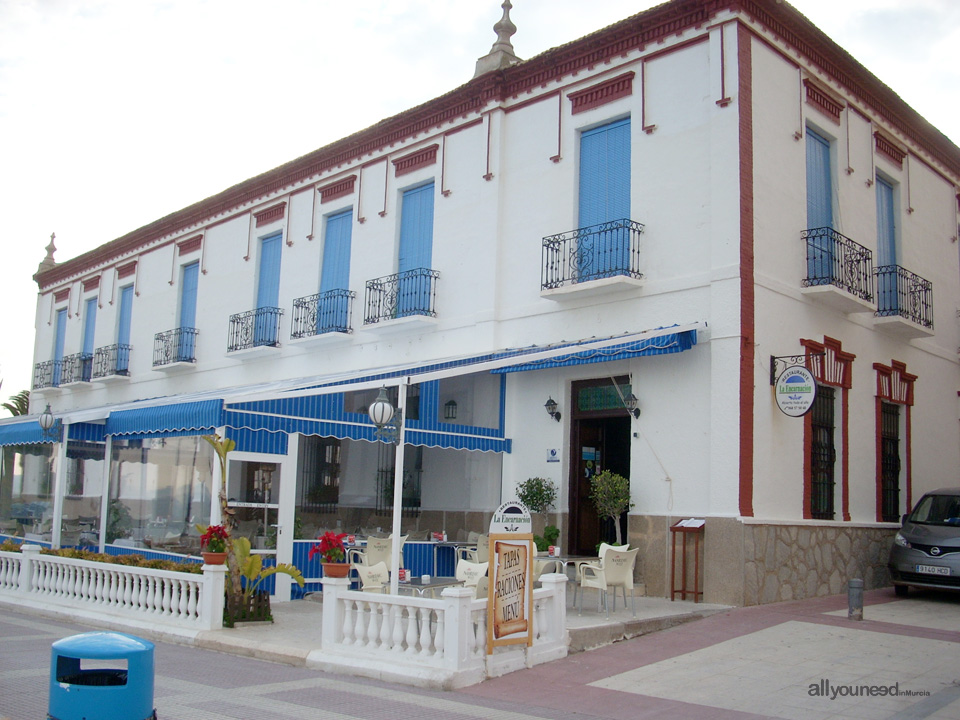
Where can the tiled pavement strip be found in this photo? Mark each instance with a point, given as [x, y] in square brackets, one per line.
[745, 663]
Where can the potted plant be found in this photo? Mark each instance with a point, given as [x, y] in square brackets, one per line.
[611, 496]
[539, 495]
[213, 544]
[253, 604]
[332, 554]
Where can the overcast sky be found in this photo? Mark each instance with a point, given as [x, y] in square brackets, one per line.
[114, 113]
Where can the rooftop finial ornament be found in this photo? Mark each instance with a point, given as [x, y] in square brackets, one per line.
[48, 262]
[501, 55]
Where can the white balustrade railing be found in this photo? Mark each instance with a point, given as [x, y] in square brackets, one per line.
[184, 600]
[441, 641]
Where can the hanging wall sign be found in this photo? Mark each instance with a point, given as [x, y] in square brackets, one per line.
[795, 390]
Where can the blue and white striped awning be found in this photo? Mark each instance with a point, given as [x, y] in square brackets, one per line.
[186, 418]
[27, 432]
[660, 345]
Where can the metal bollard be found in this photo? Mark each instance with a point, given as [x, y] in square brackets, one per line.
[855, 599]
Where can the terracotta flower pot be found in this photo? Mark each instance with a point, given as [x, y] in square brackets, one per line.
[336, 570]
[214, 558]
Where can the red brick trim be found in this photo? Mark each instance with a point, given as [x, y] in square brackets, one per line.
[888, 148]
[185, 247]
[747, 306]
[823, 101]
[415, 160]
[271, 214]
[830, 365]
[894, 385]
[340, 188]
[60, 295]
[601, 93]
[91, 283]
[126, 270]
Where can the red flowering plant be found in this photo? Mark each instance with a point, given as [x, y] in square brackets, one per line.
[330, 548]
[214, 539]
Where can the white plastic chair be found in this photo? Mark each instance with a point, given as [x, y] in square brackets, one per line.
[373, 578]
[614, 571]
[469, 573]
[603, 548]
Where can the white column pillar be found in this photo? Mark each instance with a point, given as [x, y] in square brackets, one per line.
[105, 492]
[211, 597]
[398, 487]
[59, 487]
[332, 622]
[286, 515]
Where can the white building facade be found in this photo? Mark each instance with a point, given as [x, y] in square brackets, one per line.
[678, 206]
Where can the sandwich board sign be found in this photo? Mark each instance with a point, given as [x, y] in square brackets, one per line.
[510, 587]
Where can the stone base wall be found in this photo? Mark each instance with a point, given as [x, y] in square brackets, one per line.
[792, 562]
[753, 564]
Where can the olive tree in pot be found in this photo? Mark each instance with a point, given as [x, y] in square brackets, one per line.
[611, 496]
[539, 495]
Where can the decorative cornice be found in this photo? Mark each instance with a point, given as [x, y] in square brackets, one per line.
[888, 148]
[271, 214]
[823, 101]
[338, 189]
[185, 247]
[659, 24]
[126, 270]
[601, 93]
[91, 283]
[60, 295]
[415, 160]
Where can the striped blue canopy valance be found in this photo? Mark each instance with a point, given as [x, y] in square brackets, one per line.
[190, 418]
[28, 432]
[659, 345]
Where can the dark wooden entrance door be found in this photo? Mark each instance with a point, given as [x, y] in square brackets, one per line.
[600, 441]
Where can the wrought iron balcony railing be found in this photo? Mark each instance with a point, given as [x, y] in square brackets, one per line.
[175, 346]
[610, 249]
[47, 374]
[412, 292]
[254, 328]
[111, 360]
[901, 292]
[77, 368]
[327, 312]
[834, 259]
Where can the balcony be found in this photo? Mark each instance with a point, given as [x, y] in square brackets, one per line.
[77, 369]
[111, 363]
[175, 349]
[47, 375]
[904, 303]
[322, 317]
[254, 332]
[839, 271]
[592, 260]
[410, 295]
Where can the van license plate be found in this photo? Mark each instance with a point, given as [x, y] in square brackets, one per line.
[933, 570]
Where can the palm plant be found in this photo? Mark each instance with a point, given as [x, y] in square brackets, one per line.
[19, 405]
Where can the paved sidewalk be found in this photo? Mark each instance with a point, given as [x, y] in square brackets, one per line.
[757, 662]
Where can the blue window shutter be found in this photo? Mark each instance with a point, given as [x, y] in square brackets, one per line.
[126, 315]
[416, 250]
[819, 207]
[58, 345]
[268, 286]
[886, 224]
[335, 273]
[887, 280]
[819, 182]
[188, 311]
[188, 295]
[123, 329]
[89, 325]
[605, 197]
[416, 229]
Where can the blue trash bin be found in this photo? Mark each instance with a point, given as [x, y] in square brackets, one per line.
[101, 676]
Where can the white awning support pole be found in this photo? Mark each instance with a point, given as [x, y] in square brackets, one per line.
[398, 486]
